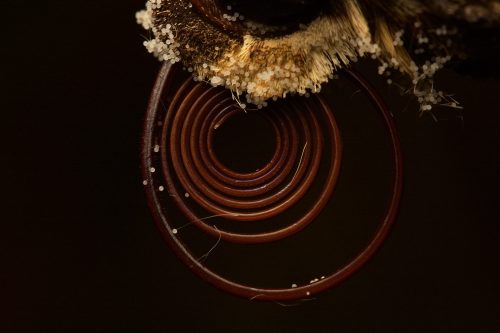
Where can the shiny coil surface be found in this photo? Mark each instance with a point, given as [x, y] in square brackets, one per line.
[178, 136]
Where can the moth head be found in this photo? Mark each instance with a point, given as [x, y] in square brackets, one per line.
[265, 49]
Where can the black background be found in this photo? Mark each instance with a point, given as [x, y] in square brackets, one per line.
[82, 254]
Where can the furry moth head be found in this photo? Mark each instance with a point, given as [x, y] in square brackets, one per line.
[269, 49]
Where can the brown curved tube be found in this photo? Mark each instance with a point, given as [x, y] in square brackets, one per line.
[188, 163]
[181, 130]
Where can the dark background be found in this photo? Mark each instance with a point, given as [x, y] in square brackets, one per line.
[81, 253]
